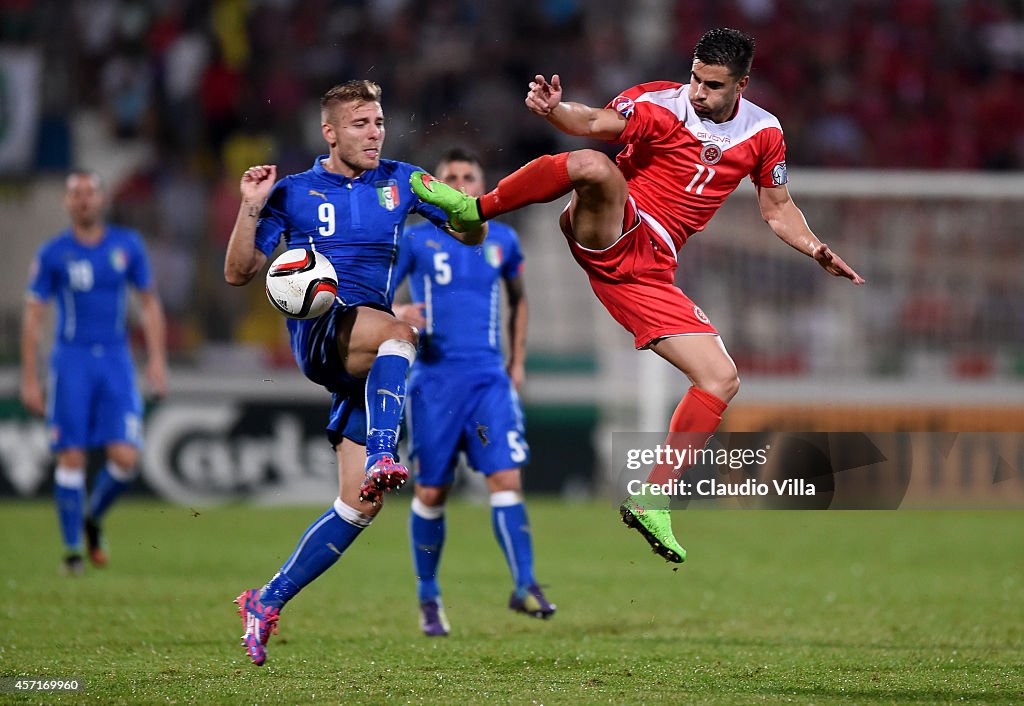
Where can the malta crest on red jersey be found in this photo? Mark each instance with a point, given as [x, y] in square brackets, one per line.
[710, 153]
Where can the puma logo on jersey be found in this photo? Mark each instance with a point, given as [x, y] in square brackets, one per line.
[313, 192]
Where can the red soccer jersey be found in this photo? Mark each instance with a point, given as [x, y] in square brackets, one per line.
[680, 168]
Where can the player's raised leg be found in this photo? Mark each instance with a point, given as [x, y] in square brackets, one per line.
[600, 196]
[319, 547]
[376, 344]
[385, 399]
[709, 367]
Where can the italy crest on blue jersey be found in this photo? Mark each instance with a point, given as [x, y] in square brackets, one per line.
[388, 194]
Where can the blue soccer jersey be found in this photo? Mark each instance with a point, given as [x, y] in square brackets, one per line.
[460, 397]
[93, 400]
[356, 223]
[90, 284]
[460, 287]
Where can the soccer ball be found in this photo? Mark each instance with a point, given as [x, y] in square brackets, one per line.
[302, 284]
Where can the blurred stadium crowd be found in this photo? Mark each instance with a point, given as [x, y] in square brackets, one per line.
[209, 87]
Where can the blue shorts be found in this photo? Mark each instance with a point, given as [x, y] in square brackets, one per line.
[315, 347]
[347, 420]
[474, 411]
[93, 398]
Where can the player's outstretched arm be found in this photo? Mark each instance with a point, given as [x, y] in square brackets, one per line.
[788, 222]
[31, 327]
[242, 260]
[545, 99]
[834, 264]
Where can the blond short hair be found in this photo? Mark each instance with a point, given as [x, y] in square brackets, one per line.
[358, 90]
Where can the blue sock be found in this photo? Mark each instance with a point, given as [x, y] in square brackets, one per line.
[69, 494]
[512, 529]
[110, 483]
[385, 396]
[426, 530]
[321, 545]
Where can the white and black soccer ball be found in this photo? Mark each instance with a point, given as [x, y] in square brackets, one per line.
[302, 284]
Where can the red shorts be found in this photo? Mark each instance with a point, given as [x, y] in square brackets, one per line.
[634, 279]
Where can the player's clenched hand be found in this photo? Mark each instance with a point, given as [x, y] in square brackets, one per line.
[544, 96]
[834, 264]
[257, 182]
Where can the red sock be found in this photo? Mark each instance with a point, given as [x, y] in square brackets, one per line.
[542, 180]
[694, 421]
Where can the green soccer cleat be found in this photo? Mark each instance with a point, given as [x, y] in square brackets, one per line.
[656, 527]
[463, 214]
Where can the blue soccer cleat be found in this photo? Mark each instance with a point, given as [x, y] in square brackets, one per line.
[260, 621]
[531, 601]
[383, 474]
[433, 620]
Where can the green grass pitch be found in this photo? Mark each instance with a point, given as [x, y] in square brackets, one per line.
[771, 607]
